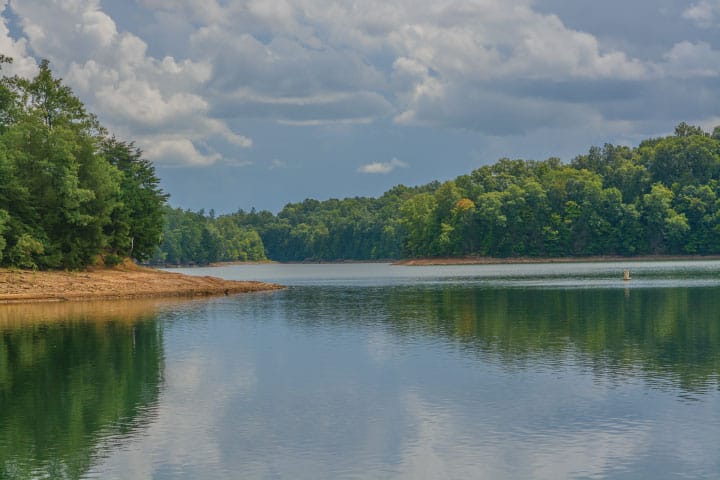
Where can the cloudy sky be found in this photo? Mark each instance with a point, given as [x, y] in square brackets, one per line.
[244, 103]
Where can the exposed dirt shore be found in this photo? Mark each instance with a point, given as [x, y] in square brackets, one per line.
[496, 261]
[121, 282]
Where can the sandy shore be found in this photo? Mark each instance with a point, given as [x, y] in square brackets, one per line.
[497, 261]
[122, 282]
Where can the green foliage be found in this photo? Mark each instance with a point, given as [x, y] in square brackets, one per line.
[112, 259]
[4, 218]
[195, 238]
[661, 197]
[26, 251]
[658, 198]
[136, 224]
[70, 193]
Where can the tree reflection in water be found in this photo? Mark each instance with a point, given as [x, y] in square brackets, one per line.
[669, 336]
[72, 375]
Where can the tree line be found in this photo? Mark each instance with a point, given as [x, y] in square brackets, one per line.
[196, 238]
[661, 197]
[70, 193]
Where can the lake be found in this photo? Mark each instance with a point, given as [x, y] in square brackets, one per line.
[372, 371]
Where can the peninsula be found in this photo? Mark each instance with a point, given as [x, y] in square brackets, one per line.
[125, 281]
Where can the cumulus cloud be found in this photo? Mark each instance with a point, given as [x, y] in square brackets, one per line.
[498, 67]
[288, 81]
[23, 63]
[382, 168]
[314, 62]
[692, 60]
[174, 150]
[704, 12]
[316, 109]
[159, 102]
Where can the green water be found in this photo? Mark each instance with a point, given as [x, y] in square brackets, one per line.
[65, 385]
[372, 371]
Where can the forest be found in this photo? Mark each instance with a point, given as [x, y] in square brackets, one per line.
[71, 194]
[660, 197]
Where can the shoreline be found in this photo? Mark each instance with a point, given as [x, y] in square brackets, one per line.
[127, 281]
[238, 262]
[439, 261]
[171, 266]
[420, 262]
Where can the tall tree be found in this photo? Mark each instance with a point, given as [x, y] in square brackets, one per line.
[66, 203]
[136, 225]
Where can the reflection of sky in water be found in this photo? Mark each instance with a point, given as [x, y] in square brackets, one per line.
[282, 386]
[559, 275]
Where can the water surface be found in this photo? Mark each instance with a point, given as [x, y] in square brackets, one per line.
[373, 371]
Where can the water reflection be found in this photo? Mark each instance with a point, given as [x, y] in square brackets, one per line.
[371, 381]
[440, 382]
[72, 375]
[668, 336]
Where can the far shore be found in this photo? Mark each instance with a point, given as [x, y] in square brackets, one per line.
[127, 281]
[471, 260]
[525, 260]
[241, 262]
[171, 266]
[274, 262]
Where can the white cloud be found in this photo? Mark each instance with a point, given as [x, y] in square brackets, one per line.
[704, 12]
[177, 151]
[312, 62]
[160, 103]
[286, 80]
[452, 70]
[275, 164]
[23, 64]
[692, 60]
[382, 168]
[237, 163]
[447, 63]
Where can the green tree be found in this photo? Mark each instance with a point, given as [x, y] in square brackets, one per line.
[136, 225]
[664, 226]
[70, 192]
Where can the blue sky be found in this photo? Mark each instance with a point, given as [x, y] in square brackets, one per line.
[256, 103]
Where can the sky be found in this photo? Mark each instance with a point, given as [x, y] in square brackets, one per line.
[257, 103]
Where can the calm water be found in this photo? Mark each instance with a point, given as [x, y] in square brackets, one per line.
[372, 371]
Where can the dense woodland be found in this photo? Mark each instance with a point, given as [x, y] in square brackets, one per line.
[658, 198]
[70, 193]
